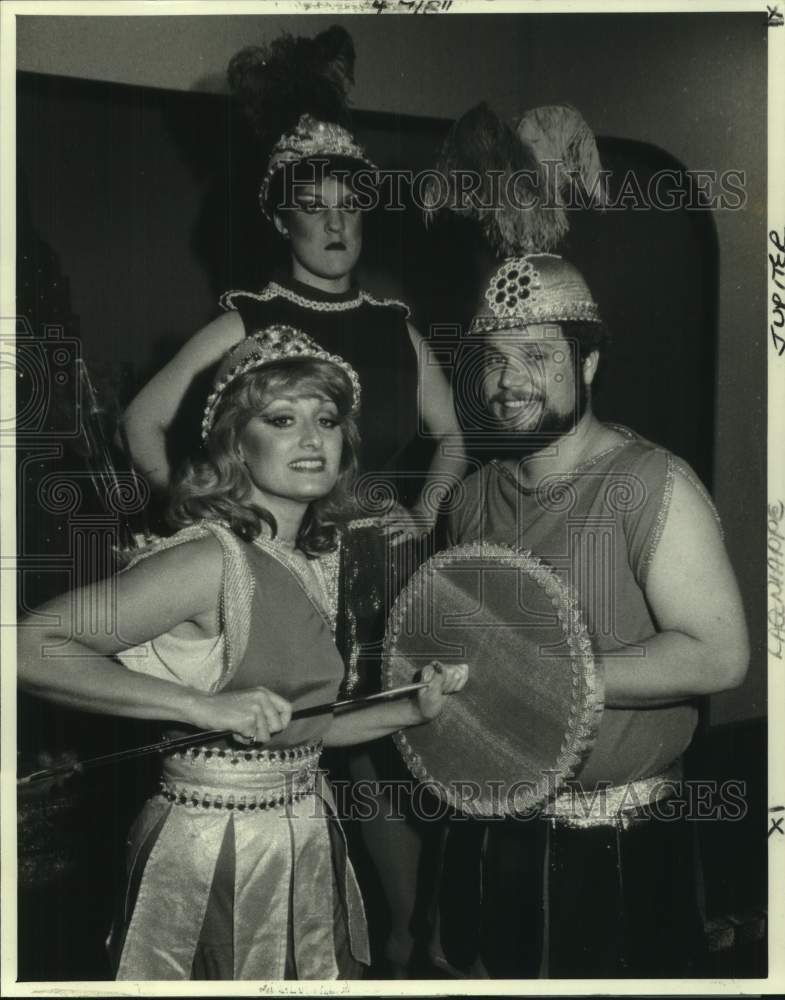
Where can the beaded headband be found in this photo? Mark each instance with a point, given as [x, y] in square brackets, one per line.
[535, 288]
[310, 139]
[274, 343]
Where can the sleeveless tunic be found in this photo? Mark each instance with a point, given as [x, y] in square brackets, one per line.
[599, 527]
[238, 868]
[371, 334]
[608, 889]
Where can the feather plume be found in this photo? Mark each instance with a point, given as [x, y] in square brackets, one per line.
[492, 173]
[560, 133]
[291, 76]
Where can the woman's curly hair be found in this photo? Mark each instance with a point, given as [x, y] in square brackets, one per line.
[219, 488]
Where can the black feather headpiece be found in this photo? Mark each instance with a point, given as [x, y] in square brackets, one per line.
[295, 92]
[278, 83]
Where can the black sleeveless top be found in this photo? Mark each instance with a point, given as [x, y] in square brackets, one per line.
[371, 334]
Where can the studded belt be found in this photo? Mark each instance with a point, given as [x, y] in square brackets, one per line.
[202, 778]
[618, 805]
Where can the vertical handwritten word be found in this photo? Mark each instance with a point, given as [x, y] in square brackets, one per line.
[775, 565]
[777, 263]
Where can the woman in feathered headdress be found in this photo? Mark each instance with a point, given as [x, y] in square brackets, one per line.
[316, 179]
[295, 91]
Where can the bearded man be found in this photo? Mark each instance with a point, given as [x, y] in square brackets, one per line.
[609, 889]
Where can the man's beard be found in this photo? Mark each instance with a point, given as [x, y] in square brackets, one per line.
[551, 427]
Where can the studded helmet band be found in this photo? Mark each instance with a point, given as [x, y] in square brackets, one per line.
[535, 288]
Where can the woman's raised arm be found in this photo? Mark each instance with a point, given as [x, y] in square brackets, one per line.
[448, 463]
[151, 413]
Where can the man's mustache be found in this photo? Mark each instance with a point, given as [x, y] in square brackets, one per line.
[515, 397]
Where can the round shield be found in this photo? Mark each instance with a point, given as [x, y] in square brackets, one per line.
[528, 716]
